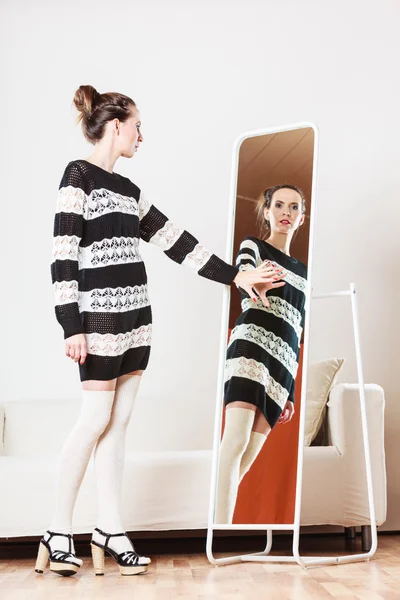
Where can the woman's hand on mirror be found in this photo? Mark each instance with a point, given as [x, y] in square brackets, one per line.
[287, 413]
[265, 275]
[262, 288]
[270, 274]
[75, 347]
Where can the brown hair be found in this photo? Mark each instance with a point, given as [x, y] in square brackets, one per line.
[264, 201]
[96, 109]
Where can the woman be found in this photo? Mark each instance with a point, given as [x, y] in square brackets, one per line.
[102, 303]
[263, 351]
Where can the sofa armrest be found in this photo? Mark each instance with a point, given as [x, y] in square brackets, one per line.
[345, 433]
[2, 420]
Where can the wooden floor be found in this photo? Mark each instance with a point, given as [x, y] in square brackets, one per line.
[192, 577]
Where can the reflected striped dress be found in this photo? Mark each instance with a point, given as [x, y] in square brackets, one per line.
[263, 351]
[99, 278]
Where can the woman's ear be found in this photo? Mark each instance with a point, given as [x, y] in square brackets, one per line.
[116, 126]
[303, 218]
[266, 214]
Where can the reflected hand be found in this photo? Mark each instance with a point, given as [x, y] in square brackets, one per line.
[262, 288]
[265, 275]
[287, 413]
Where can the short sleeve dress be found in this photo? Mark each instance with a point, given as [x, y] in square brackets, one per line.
[99, 278]
[264, 347]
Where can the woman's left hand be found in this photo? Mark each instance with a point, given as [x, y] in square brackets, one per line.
[256, 282]
[287, 413]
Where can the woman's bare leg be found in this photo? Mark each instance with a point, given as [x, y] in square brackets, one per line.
[99, 386]
[261, 424]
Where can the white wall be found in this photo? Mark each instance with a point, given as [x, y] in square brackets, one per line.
[202, 73]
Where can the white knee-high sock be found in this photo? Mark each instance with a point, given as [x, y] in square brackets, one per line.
[75, 455]
[109, 458]
[254, 446]
[238, 424]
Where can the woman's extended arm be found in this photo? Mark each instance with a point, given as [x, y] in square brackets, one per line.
[182, 247]
[246, 262]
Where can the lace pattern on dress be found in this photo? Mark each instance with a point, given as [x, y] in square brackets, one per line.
[166, 237]
[198, 257]
[114, 300]
[65, 247]
[71, 199]
[273, 344]
[113, 345]
[256, 371]
[295, 280]
[278, 307]
[144, 206]
[65, 291]
[101, 202]
[110, 251]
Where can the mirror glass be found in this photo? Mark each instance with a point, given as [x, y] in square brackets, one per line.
[257, 455]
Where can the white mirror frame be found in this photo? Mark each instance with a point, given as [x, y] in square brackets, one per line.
[295, 527]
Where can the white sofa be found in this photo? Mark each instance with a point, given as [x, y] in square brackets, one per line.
[334, 488]
[170, 490]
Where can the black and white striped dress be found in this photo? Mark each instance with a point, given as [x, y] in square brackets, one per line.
[264, 347]
[98, 275]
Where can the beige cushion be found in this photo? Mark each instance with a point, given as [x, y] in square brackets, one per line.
[321, 377]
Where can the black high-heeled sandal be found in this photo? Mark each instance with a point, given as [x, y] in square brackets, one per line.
[129, 562]
[61, 562]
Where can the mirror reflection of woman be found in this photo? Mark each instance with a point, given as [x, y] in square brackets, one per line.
[263, 351]
[103, 306]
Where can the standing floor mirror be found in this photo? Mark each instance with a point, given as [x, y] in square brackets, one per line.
[261, 395]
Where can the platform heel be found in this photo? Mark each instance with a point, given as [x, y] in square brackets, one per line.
[98, 559]
[129, 562]
[61, 562]
[42, 558]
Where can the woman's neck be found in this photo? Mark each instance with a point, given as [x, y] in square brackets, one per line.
[280, 242]
[103, 156]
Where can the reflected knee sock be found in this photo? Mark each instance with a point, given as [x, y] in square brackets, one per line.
[238, 424]
[109, 458]
[75, 455]
[254, 446]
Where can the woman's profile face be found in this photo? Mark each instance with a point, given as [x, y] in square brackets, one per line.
[285, 213]
[130, 135]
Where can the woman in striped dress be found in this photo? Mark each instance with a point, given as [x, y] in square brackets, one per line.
[264, 347]
[103, 306]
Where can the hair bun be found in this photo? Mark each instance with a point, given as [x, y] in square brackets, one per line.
[85, 100]
[95, 110]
